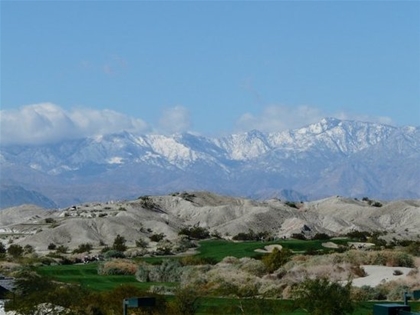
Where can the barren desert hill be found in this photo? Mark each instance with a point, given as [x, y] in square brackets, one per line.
[100, 223]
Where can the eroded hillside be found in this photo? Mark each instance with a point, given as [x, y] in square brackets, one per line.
[100, 223]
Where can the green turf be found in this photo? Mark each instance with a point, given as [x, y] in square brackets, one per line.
[218, 249]
[87, 276]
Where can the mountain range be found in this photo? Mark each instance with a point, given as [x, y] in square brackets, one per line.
[331, 157]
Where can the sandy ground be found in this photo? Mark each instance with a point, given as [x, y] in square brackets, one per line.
[268, 248]
[379, 274]
[330, 245]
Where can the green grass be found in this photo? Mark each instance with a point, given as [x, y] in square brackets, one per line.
[218, 249]
[88, 277]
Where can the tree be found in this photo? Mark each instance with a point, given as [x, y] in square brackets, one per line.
[186, 301]
[320, 296]
[15, 250]
[119, 243]
[2, 249]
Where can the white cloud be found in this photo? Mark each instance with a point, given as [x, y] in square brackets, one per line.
[278, 118]
[47, 122]
[175, 119]
[379, 119]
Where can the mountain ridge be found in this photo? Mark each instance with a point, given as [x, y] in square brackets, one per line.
[331, 157]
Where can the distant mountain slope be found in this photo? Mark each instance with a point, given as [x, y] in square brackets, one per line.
[12, 195]
[332, 157]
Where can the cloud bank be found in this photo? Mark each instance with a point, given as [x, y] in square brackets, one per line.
[277, 118]
[49, 123]
[175, 119]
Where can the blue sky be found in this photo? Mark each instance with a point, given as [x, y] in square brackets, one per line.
[204, 66]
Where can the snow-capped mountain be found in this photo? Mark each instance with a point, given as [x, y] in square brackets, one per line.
[332, 157]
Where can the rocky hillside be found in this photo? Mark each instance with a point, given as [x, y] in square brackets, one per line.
[100, 223]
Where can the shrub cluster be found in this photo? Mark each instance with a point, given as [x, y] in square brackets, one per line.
[195, 232]
[252, 236]
[168, 271]
[83, 248]
[117, 267]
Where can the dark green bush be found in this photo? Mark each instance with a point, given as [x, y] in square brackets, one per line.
[195, 232]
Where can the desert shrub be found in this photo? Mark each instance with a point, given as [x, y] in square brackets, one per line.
[83, 248]
[401, 259]
[312, 251]
[182, 243]
[230, 260]
[157, 237]
[28, 249]
[252, 266]
[368, 293]
[187, 196]
[117, 267]
[321, 236]
[396, 292]
[360, 236]
[52, 246]
[252, 236]
[321, 296]
[168, 271]
[414, 249]
[186, 301]
[276, 259]
[164, 247]
[291, 204]
[62, 249]
[298, 236]
[15, 250]
[225, 288]
[195, 232]
[384, 258]
[112, 253]
[141, 243]
[147, 203]
[142, 273]
[358, 271]
[194, 260]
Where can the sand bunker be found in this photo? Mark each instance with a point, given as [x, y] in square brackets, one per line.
[379, 274]
[330, 245]
[268, 249]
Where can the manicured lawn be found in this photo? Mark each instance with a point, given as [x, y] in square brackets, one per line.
[87, 276]
[218, 249]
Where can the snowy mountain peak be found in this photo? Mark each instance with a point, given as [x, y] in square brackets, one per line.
[330, 157]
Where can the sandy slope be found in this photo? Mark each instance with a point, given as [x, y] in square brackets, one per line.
[379, 274]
